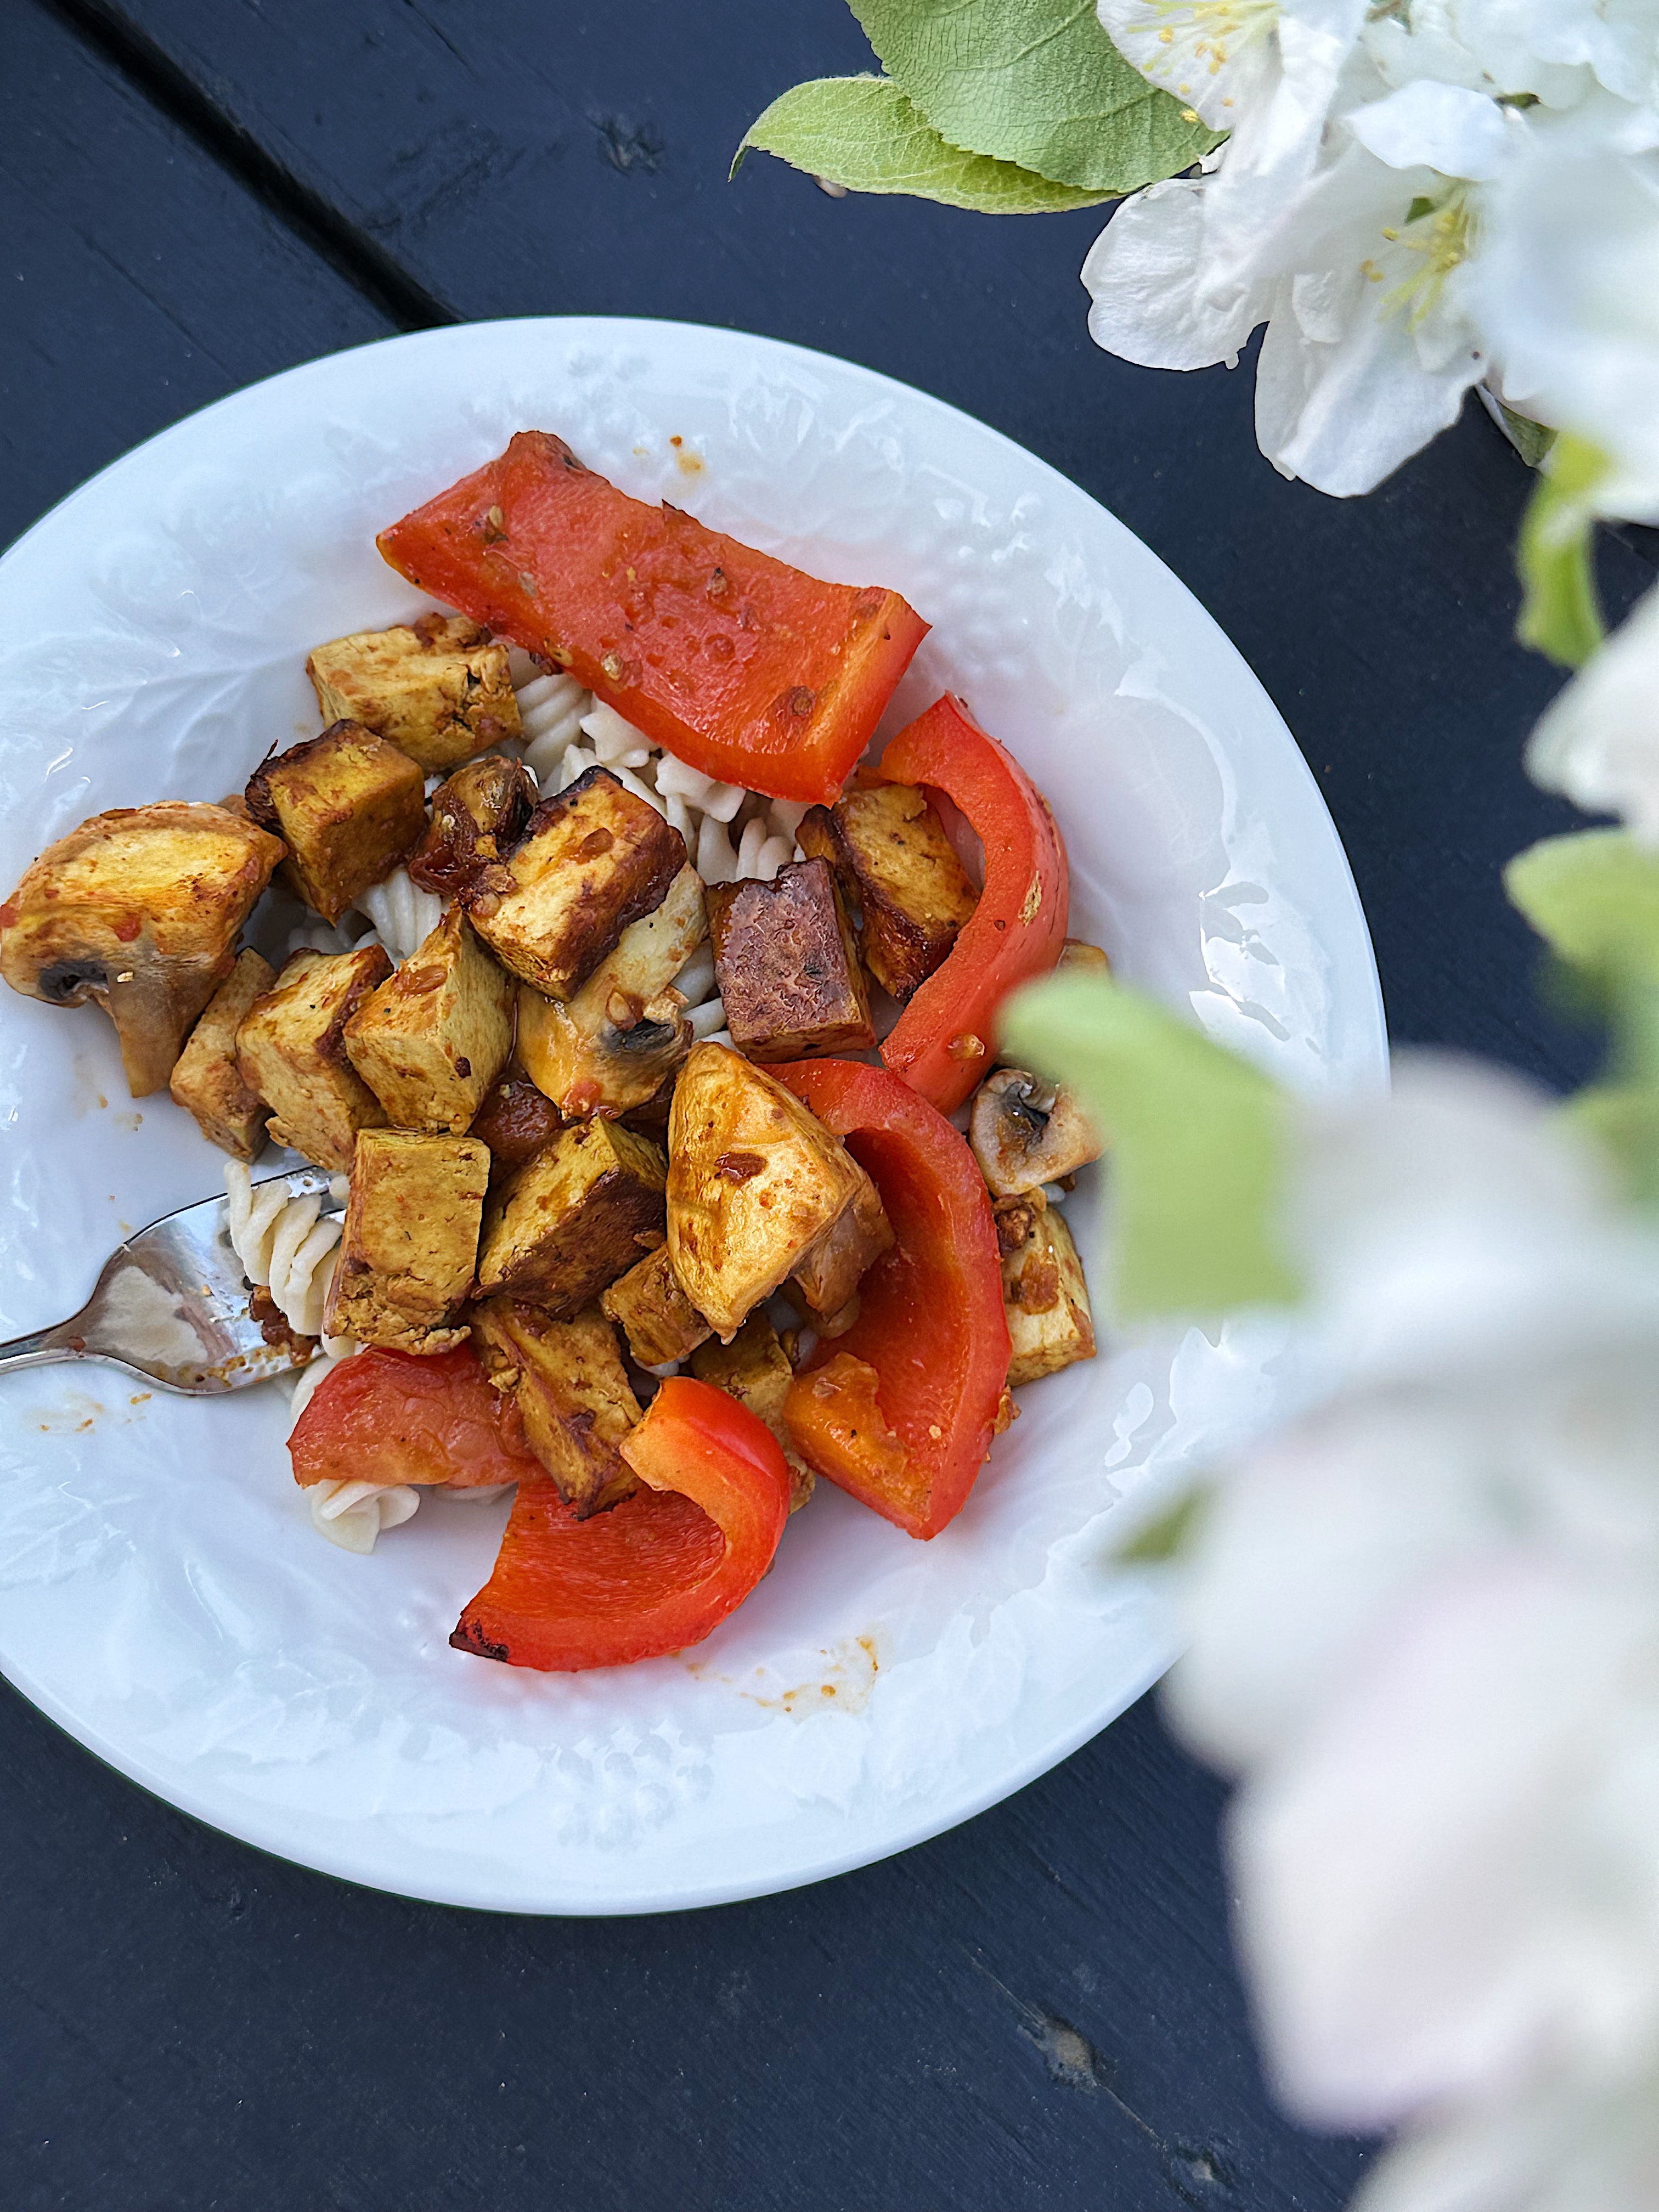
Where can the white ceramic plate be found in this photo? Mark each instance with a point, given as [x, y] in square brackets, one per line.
[162, 1594]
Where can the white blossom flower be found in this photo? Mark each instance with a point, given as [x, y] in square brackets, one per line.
[1426, 1630]
[1568, 290]
[1598, 741]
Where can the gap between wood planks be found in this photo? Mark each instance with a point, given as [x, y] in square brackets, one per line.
[156, 78]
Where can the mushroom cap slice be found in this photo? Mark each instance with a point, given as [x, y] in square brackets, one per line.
[139, 911]
[1026, 1132]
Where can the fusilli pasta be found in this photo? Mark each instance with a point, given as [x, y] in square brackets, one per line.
[285, 1244]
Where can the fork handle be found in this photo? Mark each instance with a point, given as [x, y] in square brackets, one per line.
[44, 1349]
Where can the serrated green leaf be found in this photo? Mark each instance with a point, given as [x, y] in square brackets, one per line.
[1560, 614]
[1594, 897]
[863, 133]
[1197, 1139]
[1037, 82]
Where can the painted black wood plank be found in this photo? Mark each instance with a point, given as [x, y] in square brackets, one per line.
[1004, 2018]
[518, 156]
[139, 280]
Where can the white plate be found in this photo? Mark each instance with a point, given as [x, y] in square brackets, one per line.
[162, 1594]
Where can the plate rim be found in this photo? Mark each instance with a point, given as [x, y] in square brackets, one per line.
[1365, 1026]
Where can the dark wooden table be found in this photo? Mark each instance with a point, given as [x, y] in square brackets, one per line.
[1038, 2010]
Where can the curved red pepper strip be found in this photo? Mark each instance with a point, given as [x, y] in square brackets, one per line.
[945, 1041]
[391, 1417]
[658, 1572]
[900, 1411]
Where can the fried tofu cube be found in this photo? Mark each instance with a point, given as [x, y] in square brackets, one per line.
[898, 867]
[612, 1047]
[479, 815]
[568, 1380]
[431, 1040]
[139, 911]
[788, 965]
[348, 806]
[410, 1243]
[1044, 1292]
[756, 1183]
[755, 1369]
[438, 688]
[575, 1217]
[661, 1324]
[290, 1049]
[406, 1262]
[207, 1081]
[592, 860]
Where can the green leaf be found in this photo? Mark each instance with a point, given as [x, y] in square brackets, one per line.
[1531, 440]
[1168, 1535]
[863, 133]
[1560, 616]
[1037, 82]
[1197, 1138]
[1594, 897]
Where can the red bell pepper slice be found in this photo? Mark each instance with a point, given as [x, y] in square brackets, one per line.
[658, 1572]
[391, 1417]
[945, 1040]
[900, 1409]
[741, 666]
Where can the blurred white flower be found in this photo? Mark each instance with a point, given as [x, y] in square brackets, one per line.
[1425, 1627]
[1599, 741]
[1568, 292]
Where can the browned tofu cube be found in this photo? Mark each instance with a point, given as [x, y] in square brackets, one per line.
[478, 815]
[1044, 1292]
[438, 688]
[754, 1368]
[1026, 1132]
[612, 1047]
[410, 1243]
[568, 1380]
[207, 1081]
[348, 806]
[901, 871]
[138, 910]
[594, 859]
[290, 1049]
[661, 1324]
[435, 1036]
[579, 1215]
[788, 965]
[756, 1183]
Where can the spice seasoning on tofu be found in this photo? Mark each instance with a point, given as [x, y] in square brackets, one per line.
[290, 1049]
[574, 1218]
[788, 966]
[591, 860]
[410, 1243]
[348, 806]
[438, 688]
[433, 1038]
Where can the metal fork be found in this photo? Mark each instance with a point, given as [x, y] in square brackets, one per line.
[172, 1305]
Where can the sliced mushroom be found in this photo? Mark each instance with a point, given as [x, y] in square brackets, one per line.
[1026, 1132]
[479, 815]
